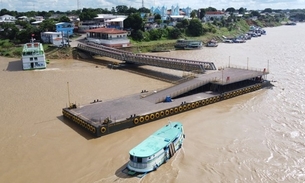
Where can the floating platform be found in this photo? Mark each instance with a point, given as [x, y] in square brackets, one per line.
[104, 117]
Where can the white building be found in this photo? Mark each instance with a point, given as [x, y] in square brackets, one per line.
[7, 18]
[108, 37]
[55, 38]
[213, 15]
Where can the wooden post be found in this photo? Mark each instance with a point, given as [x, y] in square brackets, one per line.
[68, 94]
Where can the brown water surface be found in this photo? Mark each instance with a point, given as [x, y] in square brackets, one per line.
[257, 137]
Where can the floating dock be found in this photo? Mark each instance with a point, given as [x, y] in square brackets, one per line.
[104, 117]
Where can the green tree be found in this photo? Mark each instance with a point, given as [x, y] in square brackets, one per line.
[88, 14]
[137, 35]
[210, 9]
[195, 28]
[134, 22]
[230, 10]
[64, 19]
[9, 31]
[267, 10]
[255, 13]
[185, 23]
[144, 10]
[47, 25]
[131, 10]
[121, 9]
[174, 33]
[155, 34]
[242, 10]
[193, 14]
[201, 13]
[157, 16]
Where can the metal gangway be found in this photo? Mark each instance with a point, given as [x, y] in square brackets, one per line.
[142, 59]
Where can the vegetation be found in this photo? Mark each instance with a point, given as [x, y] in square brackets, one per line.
[142, 33]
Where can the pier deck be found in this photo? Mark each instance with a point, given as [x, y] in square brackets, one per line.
[112, 115]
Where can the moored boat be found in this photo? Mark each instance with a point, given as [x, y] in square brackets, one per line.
[212, 43]
[33, 56]
[188, 44]
[156, 149]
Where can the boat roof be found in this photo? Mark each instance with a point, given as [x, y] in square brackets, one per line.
[32, 46]
[158, 140]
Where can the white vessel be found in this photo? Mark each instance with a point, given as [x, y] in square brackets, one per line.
[33, 56]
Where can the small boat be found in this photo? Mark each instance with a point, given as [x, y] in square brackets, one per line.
[156, 149]
[212, 43]
[291, 23]
[188, 44]
[33, 56]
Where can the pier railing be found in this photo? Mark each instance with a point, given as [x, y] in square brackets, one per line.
[142, 59]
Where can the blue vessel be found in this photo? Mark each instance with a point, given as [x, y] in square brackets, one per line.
[156, 149]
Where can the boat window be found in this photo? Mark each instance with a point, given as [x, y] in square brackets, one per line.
[144, 160]
[139, 160]
[31, 59]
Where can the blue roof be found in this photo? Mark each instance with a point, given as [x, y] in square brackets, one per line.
[158, 140]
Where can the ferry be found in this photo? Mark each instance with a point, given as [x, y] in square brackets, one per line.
[33, 56]
[188, 44]
[156, 149]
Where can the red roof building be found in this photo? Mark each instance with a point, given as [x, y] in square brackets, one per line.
[108, 37]
[212, 15]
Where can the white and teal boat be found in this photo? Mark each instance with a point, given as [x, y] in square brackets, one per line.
[156, 149]
[33, 56]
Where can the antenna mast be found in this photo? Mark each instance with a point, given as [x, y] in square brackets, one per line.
[77, 4]
[142, 3]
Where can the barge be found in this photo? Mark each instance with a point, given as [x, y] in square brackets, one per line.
[104, 117]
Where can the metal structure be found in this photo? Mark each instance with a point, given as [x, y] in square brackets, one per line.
[142, 59]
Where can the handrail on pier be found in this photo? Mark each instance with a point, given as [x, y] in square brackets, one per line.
[158, 61]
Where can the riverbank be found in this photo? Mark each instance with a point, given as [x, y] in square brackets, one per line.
[211, 32]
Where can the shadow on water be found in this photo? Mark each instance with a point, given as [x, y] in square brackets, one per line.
[14, 66]
[81, 131]
[122, 172]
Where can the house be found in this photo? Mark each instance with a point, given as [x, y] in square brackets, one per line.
[7, 19]
[116, 23]
[65, 27]
[213, 15]
[55, 38]
[102, 21]
[108, 37]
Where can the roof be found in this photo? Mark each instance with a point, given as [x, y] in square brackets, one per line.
[214, 13]
[158, 140]
[120, 19]
[55, 33]
[177, 16]
[107, 31]
[61, 23]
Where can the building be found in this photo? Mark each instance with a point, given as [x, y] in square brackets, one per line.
[102, 21]
[7, 19]
[213, 15]
[116, 23]
[55, 38]
[110, 37]
[173, 13]
[66, 28]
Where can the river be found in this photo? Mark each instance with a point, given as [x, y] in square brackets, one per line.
[256, 137]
